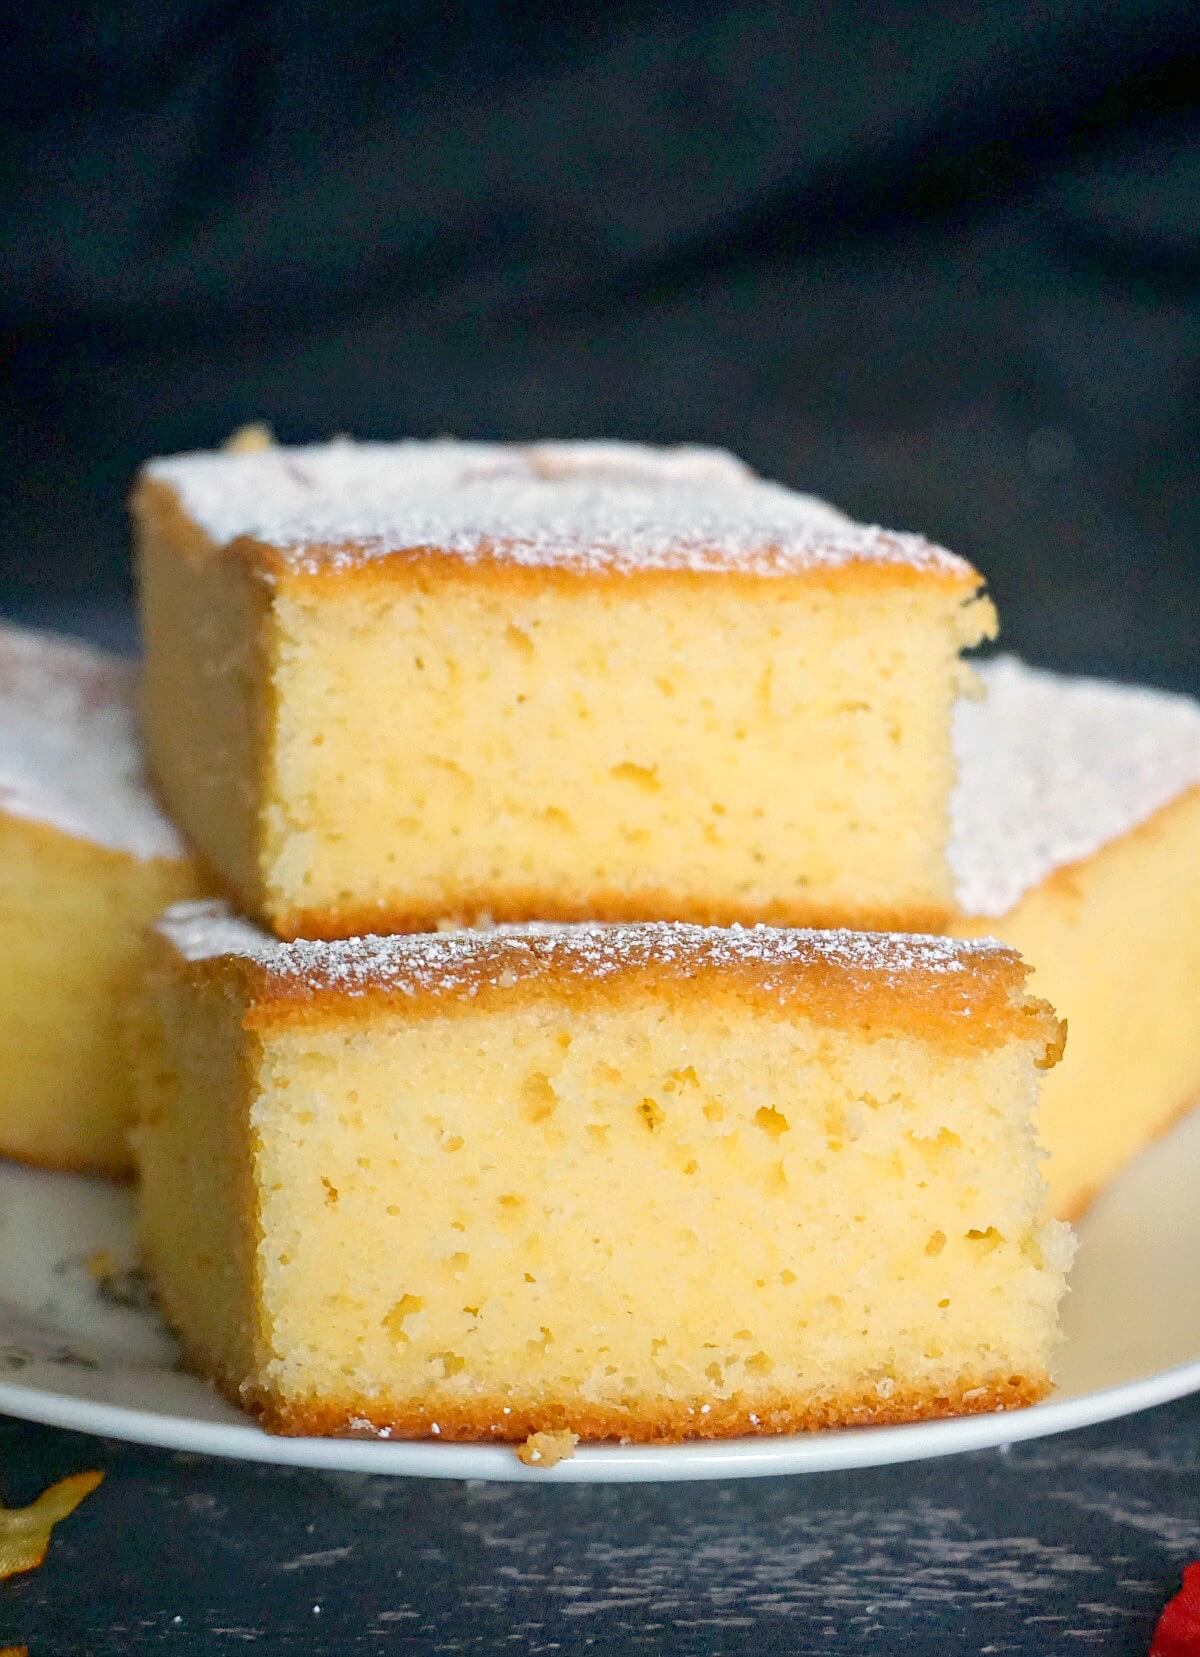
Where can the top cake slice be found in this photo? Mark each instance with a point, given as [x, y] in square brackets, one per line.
[389, 685]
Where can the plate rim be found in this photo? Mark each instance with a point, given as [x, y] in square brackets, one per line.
[795, 1454]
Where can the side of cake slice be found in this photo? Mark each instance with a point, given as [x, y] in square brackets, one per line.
[389, 685]
[652, 1181]
[87, 860]
[1077, 841]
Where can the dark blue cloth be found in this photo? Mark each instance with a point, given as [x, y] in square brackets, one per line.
[938, 262]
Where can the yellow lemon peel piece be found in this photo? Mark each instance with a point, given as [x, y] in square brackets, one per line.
[25, 1531]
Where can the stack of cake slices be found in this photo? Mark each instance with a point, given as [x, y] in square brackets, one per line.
[592, 997]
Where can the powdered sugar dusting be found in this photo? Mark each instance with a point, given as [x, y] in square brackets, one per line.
[206, 928]
[618, 462]
[595, 506]
[452, 962]
[69, 753]
[1054, 768]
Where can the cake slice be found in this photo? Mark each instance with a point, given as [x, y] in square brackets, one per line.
[1077, 841]
[87, 860]
[390, 685]
[648, 1181]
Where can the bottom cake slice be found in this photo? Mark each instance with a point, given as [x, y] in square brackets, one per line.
[646, 1182]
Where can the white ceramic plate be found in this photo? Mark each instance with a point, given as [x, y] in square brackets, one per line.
[98, 1360]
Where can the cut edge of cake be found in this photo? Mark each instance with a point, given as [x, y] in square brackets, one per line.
[258, 989]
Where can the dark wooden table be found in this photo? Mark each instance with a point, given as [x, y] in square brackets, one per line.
[1069, 1544]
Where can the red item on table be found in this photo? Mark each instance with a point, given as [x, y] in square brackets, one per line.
[1178, 1630]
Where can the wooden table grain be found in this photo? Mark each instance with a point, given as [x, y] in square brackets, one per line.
[1060, 1546]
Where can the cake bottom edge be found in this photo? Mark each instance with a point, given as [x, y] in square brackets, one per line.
[606, 909]
[512, 1418]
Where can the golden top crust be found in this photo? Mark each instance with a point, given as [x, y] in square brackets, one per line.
[960, 993]
[585, 509]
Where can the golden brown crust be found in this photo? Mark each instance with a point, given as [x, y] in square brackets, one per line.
[510, 1419]
[516, 908]
[963, 995]
[924, 1015]
[347, 564]
[992, 1010]
[641, 1421]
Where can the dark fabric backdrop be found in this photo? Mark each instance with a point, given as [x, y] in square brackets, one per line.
[938, 262]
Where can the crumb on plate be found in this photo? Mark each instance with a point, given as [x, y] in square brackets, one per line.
[547, 1449]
